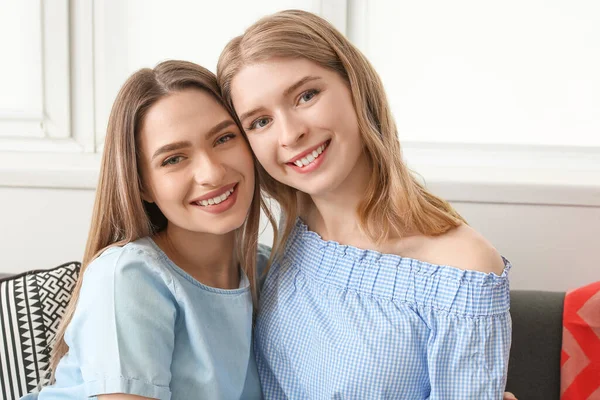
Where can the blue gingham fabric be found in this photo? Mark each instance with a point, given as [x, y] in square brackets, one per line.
[338, 322]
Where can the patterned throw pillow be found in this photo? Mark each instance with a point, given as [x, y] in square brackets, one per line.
[31, 306]
[580, 357]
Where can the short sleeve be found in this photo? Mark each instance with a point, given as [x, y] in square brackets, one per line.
[468, 355]
[122, 332]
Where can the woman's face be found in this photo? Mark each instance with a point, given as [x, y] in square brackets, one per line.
[301, 123]
[196, 165]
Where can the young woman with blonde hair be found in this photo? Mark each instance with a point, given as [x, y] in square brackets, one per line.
[163, 307]
[379, 288]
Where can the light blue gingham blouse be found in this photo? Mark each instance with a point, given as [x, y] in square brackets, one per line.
[338, 322]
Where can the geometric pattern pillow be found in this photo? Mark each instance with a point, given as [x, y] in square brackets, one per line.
[580, 358]
[31, 306]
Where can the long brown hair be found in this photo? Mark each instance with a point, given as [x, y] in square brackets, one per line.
[120, 215]
[395, 201]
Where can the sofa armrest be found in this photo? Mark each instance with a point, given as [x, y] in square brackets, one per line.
[534, 365]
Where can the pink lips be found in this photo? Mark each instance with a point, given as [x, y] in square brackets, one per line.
[313, 165]
[214, 193]
[307, 152]
[222, 206]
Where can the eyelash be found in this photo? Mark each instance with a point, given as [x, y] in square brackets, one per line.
[167, 161]
[228, 136]
[314, 93]
[253, 124]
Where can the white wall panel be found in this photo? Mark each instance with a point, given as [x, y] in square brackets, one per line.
[134, 34]
[21, 97]
[35, 103]
[469, 71]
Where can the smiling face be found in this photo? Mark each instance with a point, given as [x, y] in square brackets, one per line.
[195, 164]
[301, 123]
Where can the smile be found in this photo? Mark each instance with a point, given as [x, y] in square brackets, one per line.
[310, 157]
[217, 199]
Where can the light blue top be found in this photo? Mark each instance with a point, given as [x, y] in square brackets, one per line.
[338, 322]
[143, 326]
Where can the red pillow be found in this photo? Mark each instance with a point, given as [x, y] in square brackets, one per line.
[580, 357]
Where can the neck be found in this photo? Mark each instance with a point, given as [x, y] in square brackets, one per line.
[208, 258]
[334, 214]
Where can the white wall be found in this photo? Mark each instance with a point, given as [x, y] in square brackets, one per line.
[47, 227]
[43, 228]
[469, 71]
[551, 247]
[497, 104]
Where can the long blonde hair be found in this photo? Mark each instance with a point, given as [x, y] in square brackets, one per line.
[395, 201]
[120, 215]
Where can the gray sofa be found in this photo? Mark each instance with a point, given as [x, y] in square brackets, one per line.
[534, 366]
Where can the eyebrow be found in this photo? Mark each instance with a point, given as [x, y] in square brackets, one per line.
[301, 82]
[219, 127]
[183, 144]
[170, 147]
[286, 93]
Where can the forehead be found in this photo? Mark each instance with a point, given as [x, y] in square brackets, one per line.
[187, 111]
[258, 82]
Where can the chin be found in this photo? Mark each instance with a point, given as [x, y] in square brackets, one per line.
[228, 226]
[314, 188]
[222, 225]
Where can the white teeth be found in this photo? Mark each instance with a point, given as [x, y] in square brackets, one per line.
[310, 157]
[216, 199]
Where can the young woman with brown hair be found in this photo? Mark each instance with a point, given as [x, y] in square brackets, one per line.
[164, 303]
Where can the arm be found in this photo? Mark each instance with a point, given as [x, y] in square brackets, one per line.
[122, 332]
[470, 329]
[468, 358]
[122, 397]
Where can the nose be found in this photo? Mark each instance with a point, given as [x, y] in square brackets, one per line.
[292, 129]
[209, 171]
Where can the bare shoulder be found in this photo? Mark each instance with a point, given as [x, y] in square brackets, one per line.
[465, 248]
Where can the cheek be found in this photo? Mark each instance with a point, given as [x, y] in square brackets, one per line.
[263, 149]
[346, 121]
[167, 187]
[241, 155]
[328, 114]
